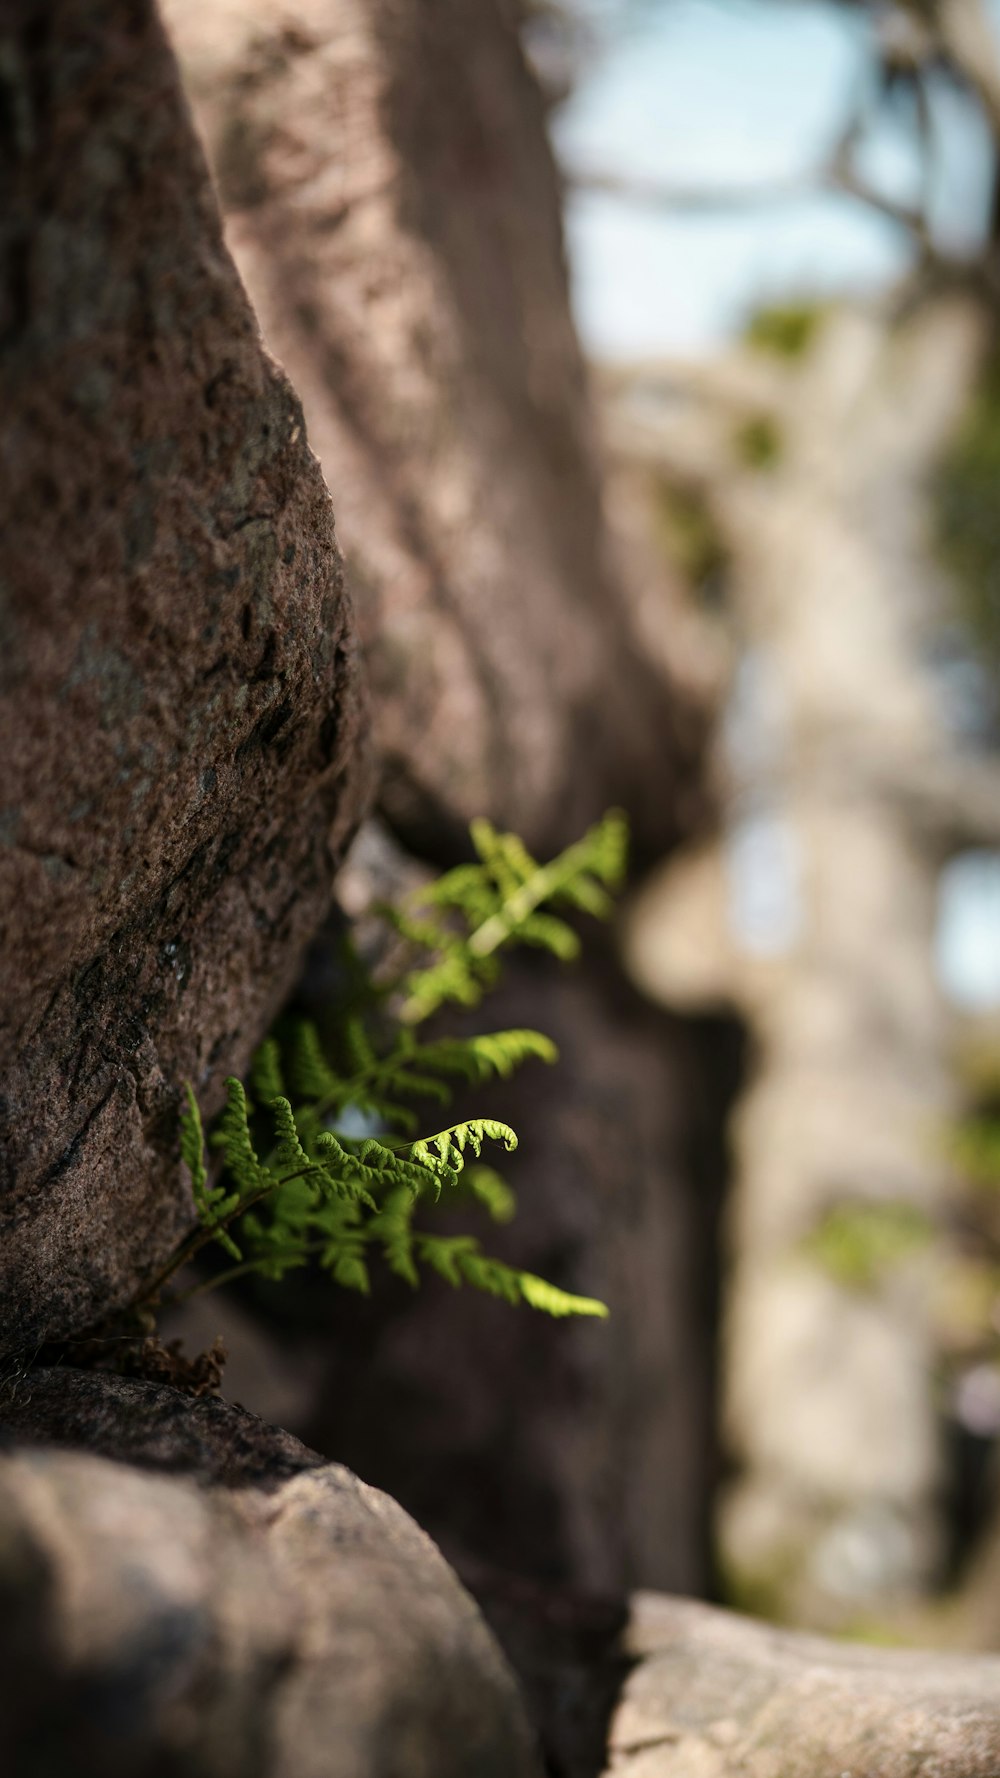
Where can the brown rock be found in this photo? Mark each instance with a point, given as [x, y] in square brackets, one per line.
[718, 1696]
[180, 712]
[256, 1611]
[393, 206]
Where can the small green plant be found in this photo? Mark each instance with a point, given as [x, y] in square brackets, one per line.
[966, 513]
[970, 1309]
[321, 1162]
[687, 531]
[975, 1150]
[758, 443]
[785, 330]
[859, 1243]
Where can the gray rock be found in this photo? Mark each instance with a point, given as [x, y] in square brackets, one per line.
[180, 711]
[718, 1696]
[185, 1590]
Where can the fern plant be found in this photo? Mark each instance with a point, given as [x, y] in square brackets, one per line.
[322, 1163]
[458, 925]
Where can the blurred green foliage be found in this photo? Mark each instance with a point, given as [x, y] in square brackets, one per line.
[785, 330]
[859, 1243]
[975, 1150]
[969, 1310]
[758, 1591]
[967, 511]
[687, 533]
[758, 442]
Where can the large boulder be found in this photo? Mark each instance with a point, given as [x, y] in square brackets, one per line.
[180, 714]
[186, 1591]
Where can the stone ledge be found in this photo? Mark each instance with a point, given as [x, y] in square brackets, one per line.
[713, 1695]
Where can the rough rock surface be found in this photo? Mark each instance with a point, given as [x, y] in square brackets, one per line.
[393, 206]
[179, 699]
[257, 1611]
[717, 1696]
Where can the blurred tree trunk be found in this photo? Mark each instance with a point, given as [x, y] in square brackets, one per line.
[849, 748]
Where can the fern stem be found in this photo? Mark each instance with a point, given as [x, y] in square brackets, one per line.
[204, 1233]
[365, 1077]
[219, 1278]
[206, 1284]
[197, 1239]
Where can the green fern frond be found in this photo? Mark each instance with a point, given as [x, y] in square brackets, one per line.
[424, 1071]
[463, 888]
[277, 1234]
[477, 1059]
[504, 899]
[213, 1203]
[289, 1158]
[348, 1266]
[265, 1072]
[550, 934]
[341, 1175]
[427, 932]
[491, 1190]
[538, 1293]
[334, 1187]
[309, 1072]
[587, 895]
[441, 1254]
[458, 1259]
[236, 1142]
[605, 850]
[388, 1168]
[193, 1144]
[421, 1086]
[359, 1055]
[392, 1231]
[350, 1196]
[452, 979]
[505, 855]
[443, 1155]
